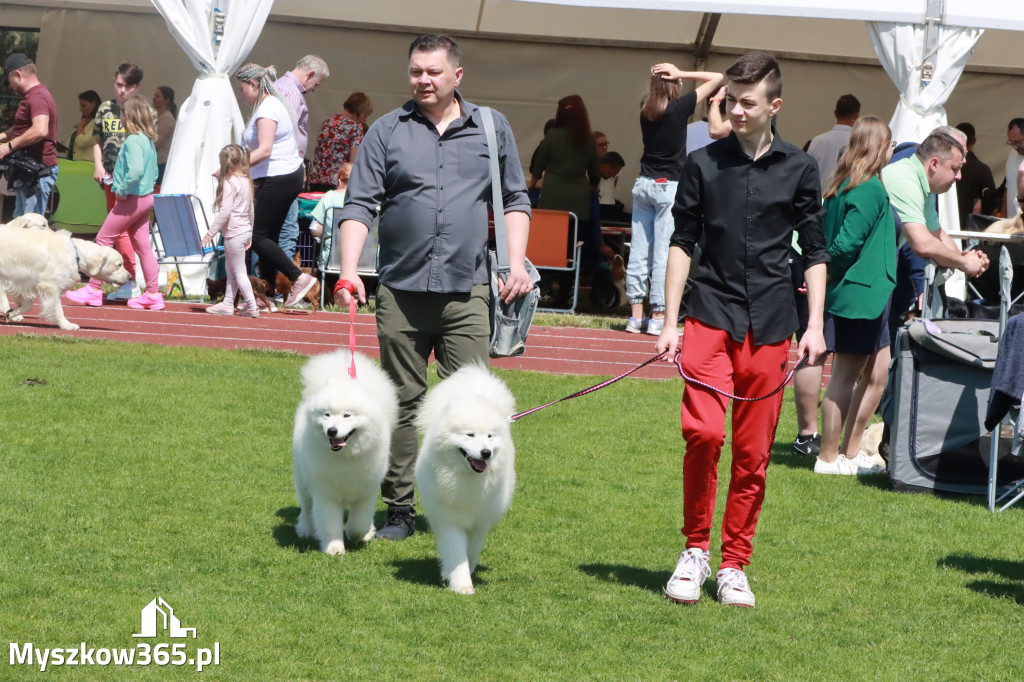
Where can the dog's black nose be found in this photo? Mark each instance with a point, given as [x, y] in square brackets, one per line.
[485, 453]
[332, 432]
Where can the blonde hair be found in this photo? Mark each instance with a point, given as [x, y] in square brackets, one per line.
[865, 155]
[234, 160]
[137, 117]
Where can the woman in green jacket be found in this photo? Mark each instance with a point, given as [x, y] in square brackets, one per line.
[861, 238]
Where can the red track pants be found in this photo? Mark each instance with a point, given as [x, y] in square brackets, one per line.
[711, 355]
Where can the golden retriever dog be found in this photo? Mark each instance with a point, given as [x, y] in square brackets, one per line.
[1007, 225]
[40, 263]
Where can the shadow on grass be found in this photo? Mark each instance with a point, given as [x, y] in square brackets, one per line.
[427, 572]
[652, 581]
[1004, 568]
[284, 533]
[782, 455]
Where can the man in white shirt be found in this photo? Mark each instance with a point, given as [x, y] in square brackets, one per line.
[1015, 139]
[828, 147]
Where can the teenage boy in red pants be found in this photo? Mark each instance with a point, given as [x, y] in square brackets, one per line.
[746, 195]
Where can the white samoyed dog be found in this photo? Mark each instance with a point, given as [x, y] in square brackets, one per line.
[340, 447]
[465, 471]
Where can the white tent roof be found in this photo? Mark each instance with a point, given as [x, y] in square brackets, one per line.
[966, 13]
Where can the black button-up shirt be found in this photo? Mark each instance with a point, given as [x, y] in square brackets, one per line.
[434, 192]
[747, 211]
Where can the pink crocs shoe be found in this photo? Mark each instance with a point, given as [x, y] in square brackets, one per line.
[87, 295]
[147, 301]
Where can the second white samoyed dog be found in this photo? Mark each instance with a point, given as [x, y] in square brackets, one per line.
[465, 472]
[340, 447]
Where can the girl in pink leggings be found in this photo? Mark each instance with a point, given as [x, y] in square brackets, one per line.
[234, 218]
[133, 179]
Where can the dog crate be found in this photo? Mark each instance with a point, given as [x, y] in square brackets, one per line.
[935, 403]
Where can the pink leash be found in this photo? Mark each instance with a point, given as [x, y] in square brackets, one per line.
[350, 288]
[691, 380]
[679, 365]
[585, 391]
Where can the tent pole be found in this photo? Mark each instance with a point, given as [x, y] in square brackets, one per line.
[705, 36]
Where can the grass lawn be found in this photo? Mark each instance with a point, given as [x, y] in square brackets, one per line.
[129, 472]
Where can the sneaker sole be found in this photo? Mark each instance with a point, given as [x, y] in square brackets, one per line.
[688, 602]
[736, 604]
[633, 331]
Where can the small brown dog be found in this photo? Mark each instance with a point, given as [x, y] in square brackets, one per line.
[215, 288]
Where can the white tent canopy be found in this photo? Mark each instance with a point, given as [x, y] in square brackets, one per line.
[964, 13]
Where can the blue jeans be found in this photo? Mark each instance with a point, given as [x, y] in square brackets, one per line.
[37, 201]
[289, 239]
[648, 252]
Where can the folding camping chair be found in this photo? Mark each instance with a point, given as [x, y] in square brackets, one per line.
[178, 232]
[554, 245]
[1014, 418]
[330, 258]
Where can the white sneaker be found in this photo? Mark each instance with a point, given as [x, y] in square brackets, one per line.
[691, 571]
[733, 588]
[635, 326]
[840, 467]
[866, 465]
[655, 325]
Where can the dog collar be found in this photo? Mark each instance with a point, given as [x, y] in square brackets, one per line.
[78, 258]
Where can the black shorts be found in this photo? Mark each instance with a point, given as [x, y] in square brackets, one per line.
[857, 337]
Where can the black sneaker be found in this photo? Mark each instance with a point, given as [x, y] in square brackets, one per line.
[807, 445]
[400, 525]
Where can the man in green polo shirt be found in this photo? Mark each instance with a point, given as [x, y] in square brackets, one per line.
[933, 168]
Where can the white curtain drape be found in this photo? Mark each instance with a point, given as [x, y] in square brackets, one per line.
[901, 51]
[210, 118]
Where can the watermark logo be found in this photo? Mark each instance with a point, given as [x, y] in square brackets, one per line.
[158, 621]
[157, 613]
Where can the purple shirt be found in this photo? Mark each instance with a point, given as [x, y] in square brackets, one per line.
[292, 91]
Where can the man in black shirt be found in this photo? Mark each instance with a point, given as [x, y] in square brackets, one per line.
[976, 191]
[745, 195]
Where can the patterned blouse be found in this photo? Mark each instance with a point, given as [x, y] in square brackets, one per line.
[338, 139]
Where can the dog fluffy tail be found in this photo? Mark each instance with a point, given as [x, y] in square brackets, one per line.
[469, 381]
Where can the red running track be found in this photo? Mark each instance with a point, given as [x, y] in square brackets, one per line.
[558, 350]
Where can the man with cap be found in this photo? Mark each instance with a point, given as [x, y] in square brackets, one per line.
[34, 131]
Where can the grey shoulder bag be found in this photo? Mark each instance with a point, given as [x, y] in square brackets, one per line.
[510, 322]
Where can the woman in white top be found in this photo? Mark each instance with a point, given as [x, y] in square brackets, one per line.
[276, 173]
